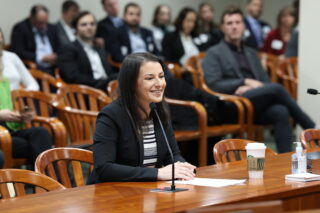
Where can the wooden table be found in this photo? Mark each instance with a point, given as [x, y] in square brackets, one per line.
[135, 196]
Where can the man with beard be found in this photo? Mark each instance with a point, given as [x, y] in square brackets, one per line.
[131, 37]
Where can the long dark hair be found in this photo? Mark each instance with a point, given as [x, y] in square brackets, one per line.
[128, 78]
[155, 21]
[181, 17]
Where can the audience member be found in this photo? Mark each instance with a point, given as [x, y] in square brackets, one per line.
[256, 29]
[208, 30]
[292, 47]
[36, 40]
[15, 71]
[233, 68]
[128, 142]
[161, 24]
[277, 39]
[26, 143]
[66, 33]
[179, 45]
[82, 62]
[107, 27]
[131, 37]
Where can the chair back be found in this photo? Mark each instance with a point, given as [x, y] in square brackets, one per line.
[39, 102]
[194, 66]
[82, 97]
[288, 75]
[66, 165]
[112, 89]
[19, 177]
[310, 138]
[270, 63]
[80, 124]
[47, 83]
[230, 150]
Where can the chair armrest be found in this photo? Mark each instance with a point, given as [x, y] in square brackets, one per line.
[244, 107]
[30, 64]
[202, 121]
[6, 146]
[56, 127]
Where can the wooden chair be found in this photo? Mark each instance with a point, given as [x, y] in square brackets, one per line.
[310, 138]
[194, 67]
[229, 150]
[185, 135]
[288, 75]
[244, 106]
[275, 206]
[47, 83]
[82, 97]
[270, 63]
[41, 104]
[112, 89]
[64, 165]
[20, 177]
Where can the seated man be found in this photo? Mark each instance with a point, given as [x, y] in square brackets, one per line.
[131, 37]
[233, 68]
[36, 40]
[66, 33]
[83, 62]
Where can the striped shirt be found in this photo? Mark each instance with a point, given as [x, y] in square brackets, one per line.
[149, 144]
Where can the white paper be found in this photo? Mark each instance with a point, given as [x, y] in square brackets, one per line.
[211, 182]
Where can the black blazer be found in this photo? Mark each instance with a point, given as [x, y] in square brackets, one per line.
[120, 42]
[62, 35]
[75, 65]
[23, 42]
[250, 39]
[172, 47]
[118, 154]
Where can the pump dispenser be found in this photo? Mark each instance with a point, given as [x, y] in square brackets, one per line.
[299, 162]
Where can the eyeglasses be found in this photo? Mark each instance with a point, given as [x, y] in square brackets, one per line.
[92, 24]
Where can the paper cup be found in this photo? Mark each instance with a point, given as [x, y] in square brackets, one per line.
[255, 159]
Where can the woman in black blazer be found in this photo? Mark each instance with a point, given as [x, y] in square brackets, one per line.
[184, 42]
[128, 142]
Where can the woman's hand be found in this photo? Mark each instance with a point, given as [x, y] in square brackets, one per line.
[9, 116]
[184, 171]
[27, 116]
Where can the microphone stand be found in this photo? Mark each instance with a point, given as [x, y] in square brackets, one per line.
[173, 186]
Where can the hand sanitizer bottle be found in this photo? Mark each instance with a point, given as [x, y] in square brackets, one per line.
[299, 161]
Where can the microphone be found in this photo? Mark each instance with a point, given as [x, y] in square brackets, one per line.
[173, 188]
[312, 91]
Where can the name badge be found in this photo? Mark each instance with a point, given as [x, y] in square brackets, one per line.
[124, 50]
[276, 44]
[150, 47]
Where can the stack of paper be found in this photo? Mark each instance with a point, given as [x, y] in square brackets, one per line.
[304, 177]
[211, 182]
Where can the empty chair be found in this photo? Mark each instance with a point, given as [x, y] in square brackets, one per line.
[19, 178]
[65, 165]
[310, 138]
[83, 97]
[229, 150]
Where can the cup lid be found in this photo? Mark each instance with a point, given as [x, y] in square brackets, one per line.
[255, 146]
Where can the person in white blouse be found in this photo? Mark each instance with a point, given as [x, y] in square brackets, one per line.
[15, 70]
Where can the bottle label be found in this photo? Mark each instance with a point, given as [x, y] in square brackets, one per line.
[255, 164]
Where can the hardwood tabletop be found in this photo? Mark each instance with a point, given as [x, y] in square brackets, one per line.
[136, 196]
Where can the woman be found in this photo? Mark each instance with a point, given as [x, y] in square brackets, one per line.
[128, 142]
[183, 43]
[26, 143]
[161, 24]
[208, 30]
[277, 39]
[15, 71]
